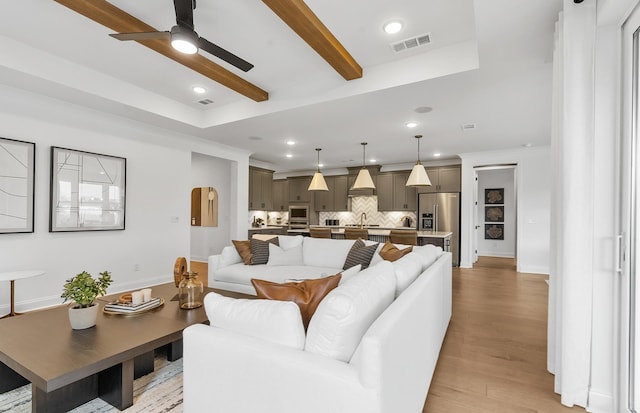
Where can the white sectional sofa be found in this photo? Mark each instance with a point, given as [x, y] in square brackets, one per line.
[371, 346]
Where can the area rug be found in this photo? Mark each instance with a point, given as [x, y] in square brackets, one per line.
[157, 392]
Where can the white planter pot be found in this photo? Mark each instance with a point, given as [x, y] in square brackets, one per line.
[81, 318]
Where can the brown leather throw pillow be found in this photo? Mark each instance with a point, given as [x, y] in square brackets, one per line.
[390, 252]
[244, 249]
[307, 294]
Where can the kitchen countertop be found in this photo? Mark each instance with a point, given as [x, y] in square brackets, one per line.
[382, 231]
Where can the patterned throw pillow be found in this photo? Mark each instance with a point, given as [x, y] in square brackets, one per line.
[244, 249]
[260, 250]
[392, 253]
[359, 253]
[307, 294]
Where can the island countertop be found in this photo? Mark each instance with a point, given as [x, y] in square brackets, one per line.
[381, 231]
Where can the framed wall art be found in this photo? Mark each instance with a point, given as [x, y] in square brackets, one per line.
[494, 231]
[87, 191]
[17, 172]
[494, 213]
[494, 196]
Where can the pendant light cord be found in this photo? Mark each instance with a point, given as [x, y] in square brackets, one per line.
[418, 138]
[364, 150]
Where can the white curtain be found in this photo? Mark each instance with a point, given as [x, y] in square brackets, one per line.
[571, 273]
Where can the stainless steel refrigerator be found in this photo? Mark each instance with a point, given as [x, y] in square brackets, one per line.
[441, 212]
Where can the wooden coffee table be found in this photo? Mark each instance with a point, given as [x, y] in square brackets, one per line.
[70, 367]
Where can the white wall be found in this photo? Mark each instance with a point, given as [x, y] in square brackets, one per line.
[209, 171]
[158, 192]
[532, 182]
[498, 178]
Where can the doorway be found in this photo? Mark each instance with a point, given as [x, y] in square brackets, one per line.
[495, 213]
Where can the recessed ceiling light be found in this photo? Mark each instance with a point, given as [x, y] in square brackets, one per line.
[320, 165]
[291, 143]
[289, 155]
[527, 145]
[436, 154]
[392, 27]
[372, 160]
[423, 109]
[199, 89]
[411, 124]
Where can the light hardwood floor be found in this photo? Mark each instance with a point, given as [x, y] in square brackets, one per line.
[494, 356]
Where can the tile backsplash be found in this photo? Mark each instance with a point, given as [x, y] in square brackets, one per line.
[368, 205]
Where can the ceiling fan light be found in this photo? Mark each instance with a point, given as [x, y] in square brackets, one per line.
[184, 40]
[363, 180]
[418, 176]
[318, 183]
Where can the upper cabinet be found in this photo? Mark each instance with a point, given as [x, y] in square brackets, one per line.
[393, 194]
[280, 195]
[299, 189]
[336, 198]
[443, 179]
[260, 189]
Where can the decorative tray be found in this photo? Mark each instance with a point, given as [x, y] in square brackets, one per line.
[130, 313]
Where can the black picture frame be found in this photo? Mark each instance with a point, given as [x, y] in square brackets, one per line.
[88, 191]
[494, 231]
[17, 177]
[494, 196]
[494, 213]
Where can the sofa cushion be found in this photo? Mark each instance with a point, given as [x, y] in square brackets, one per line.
[290, 241]
[390, 252]
[323, 252]
[228, 256]
[280, 256]
[306, 294]
[244, 250]
[407, 269]
[276, 321]
[359, 253]
[428, 254]
[346, 313]
[260, 250]
[242, 274]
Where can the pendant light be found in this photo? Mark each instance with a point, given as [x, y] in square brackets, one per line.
[318, 183]
[418, 175]
[363, 180]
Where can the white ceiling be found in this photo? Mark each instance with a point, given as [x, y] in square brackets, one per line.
[489, 63]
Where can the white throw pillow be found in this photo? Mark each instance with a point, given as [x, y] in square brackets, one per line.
[348, 274]
[347, 312]
[407, 269]
[323, 252]
[428, 254]
[289, 241]
[281, 256]
[279, 322]
[229, 256]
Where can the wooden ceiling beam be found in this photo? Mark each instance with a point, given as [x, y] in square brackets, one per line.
[297, 15]
[119, 21]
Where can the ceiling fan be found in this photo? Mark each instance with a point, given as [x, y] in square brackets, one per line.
[184, 38]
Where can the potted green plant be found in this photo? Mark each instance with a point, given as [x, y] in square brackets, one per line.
[83, 290]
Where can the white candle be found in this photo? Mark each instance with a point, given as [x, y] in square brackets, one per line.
[146, 294]
[137, 297]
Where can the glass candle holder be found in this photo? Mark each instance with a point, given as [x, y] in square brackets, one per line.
[190, 291]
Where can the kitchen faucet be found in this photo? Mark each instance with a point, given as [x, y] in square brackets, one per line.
[363, 216]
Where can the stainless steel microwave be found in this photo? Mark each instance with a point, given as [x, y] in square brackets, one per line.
[298, 212]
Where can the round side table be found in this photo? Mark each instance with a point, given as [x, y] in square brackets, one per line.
[13, 276]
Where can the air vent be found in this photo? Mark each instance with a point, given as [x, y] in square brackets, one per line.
[468, 126]
[205, 101]
[420, 40]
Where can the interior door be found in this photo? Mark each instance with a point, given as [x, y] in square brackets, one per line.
[476, 224]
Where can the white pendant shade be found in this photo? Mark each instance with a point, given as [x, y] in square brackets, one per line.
[318, 183]
[418, 176]
[363, 180]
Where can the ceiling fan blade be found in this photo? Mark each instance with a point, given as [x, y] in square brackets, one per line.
[141, 36]
[225, 55]
[184, 12]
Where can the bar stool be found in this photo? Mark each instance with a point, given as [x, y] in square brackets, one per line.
[355, 233]
[13, 276]
[406, 237]
[320, 232]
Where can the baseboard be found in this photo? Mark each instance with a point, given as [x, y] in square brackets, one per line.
[534, 270]
[600, 403]
[54, 300]
[496, 254]
[200, 259]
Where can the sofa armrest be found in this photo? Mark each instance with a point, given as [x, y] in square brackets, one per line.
[213, 265]
[238, 373]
